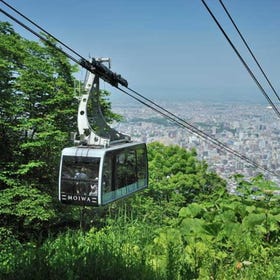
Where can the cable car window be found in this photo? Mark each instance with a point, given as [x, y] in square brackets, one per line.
[125, 169]
[142, 167]
[107, 177]
[79, 180]
[124, 172]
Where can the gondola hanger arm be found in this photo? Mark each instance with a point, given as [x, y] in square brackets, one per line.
[98, 133]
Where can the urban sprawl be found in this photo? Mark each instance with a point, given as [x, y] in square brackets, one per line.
[251, 130]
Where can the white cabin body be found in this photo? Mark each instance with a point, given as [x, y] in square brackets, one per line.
[95, 176]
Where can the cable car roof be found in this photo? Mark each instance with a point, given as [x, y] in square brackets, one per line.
[90, 151]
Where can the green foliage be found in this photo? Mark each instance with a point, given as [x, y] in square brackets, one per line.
[195, 245]
[184, 226]
[105, 105]
[177, 178]
[36, 106]
[107, 254]
[27, 207]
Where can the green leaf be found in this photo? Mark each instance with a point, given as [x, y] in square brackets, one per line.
[192, 211]
[253, 220]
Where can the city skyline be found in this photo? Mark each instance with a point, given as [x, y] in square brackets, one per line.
[251, 130]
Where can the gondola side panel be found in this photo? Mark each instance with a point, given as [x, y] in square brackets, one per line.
[125, 172]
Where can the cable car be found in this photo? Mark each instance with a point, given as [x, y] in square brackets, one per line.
[104, 167]
[96, 177]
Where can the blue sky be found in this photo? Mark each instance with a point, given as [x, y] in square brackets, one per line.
[168, 49]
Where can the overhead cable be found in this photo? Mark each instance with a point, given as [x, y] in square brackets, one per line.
[242, 60]
[39, 27]
[94, 66]
[249, 49]
[184, 124]
[152, 105]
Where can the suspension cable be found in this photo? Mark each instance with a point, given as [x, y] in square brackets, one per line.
[249, 49]
[242, 60]
[94, 66]
[186, 125]
[42, 29]
[152, 105]
[39, 36]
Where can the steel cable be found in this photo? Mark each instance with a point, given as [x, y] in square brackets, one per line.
[183, 123]
[242, 60]
[249, 49]
[152, 105]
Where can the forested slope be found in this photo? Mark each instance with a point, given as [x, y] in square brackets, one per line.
[184, 226]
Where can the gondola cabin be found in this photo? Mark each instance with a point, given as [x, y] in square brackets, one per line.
[97, 176]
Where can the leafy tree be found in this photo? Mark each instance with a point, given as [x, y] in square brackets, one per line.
[37, 105]
[38, 109]
[177, 172]
[10, 60]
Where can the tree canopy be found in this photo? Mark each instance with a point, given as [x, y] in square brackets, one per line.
[38, 109]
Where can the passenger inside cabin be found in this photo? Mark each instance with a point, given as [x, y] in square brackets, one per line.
[81, 179]
[93, 188]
